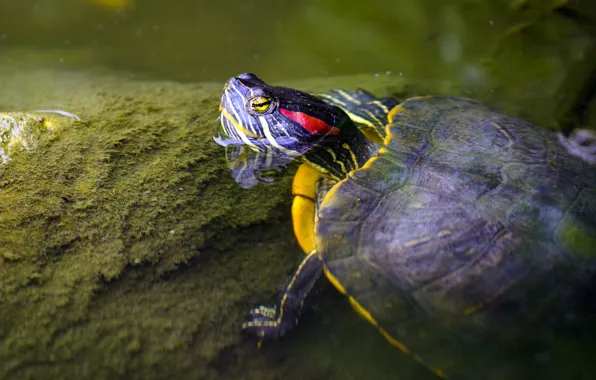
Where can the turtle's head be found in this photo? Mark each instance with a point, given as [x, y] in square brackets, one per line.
[276, 119]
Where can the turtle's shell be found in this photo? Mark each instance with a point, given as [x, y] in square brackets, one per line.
[466, 221]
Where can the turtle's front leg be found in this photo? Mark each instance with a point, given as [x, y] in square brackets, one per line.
[581, 143]
[272, 322]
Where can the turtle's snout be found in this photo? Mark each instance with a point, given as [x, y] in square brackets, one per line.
[242, 85]
[230, 92]
[232, 82]
[247, 80]
[236, 86]
[248, 77]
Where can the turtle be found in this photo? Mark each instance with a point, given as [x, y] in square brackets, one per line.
[447, 224]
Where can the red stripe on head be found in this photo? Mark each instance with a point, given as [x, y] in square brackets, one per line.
[311, 124]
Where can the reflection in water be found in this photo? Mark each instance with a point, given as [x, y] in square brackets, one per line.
[250, 167]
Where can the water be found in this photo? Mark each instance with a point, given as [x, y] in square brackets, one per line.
[519, 48]
[127, 251]
[201, 40]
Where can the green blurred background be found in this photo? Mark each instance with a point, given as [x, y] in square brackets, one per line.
[525, 46]
[212, 40]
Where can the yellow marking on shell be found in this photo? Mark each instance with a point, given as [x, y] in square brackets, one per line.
[415, 242]
[474, 308]
[356, 275]
[394, 111]
[331, 193]
[426, 239]
[368, 316]
[388, 137]
[503, 132]
[399, 108]
[334, 281]
[369, 163]
[239, 128]
[304, 189]
[383, 150]
[364, 313]
[352, 155]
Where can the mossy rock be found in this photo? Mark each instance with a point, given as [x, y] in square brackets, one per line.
[136, 189]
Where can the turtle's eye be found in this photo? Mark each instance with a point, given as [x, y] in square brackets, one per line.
[261, 104]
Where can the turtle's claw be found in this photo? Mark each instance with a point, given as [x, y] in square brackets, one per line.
[581, 143]
[264, 311]
[263, 323]
[266, 323]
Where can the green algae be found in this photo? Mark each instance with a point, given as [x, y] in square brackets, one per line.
[175, 326]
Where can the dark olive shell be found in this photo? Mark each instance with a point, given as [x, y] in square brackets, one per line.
[465, 224]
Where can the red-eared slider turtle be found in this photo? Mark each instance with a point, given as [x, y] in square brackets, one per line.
[444, 222]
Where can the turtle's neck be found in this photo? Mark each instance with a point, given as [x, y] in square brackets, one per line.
[337, 155]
